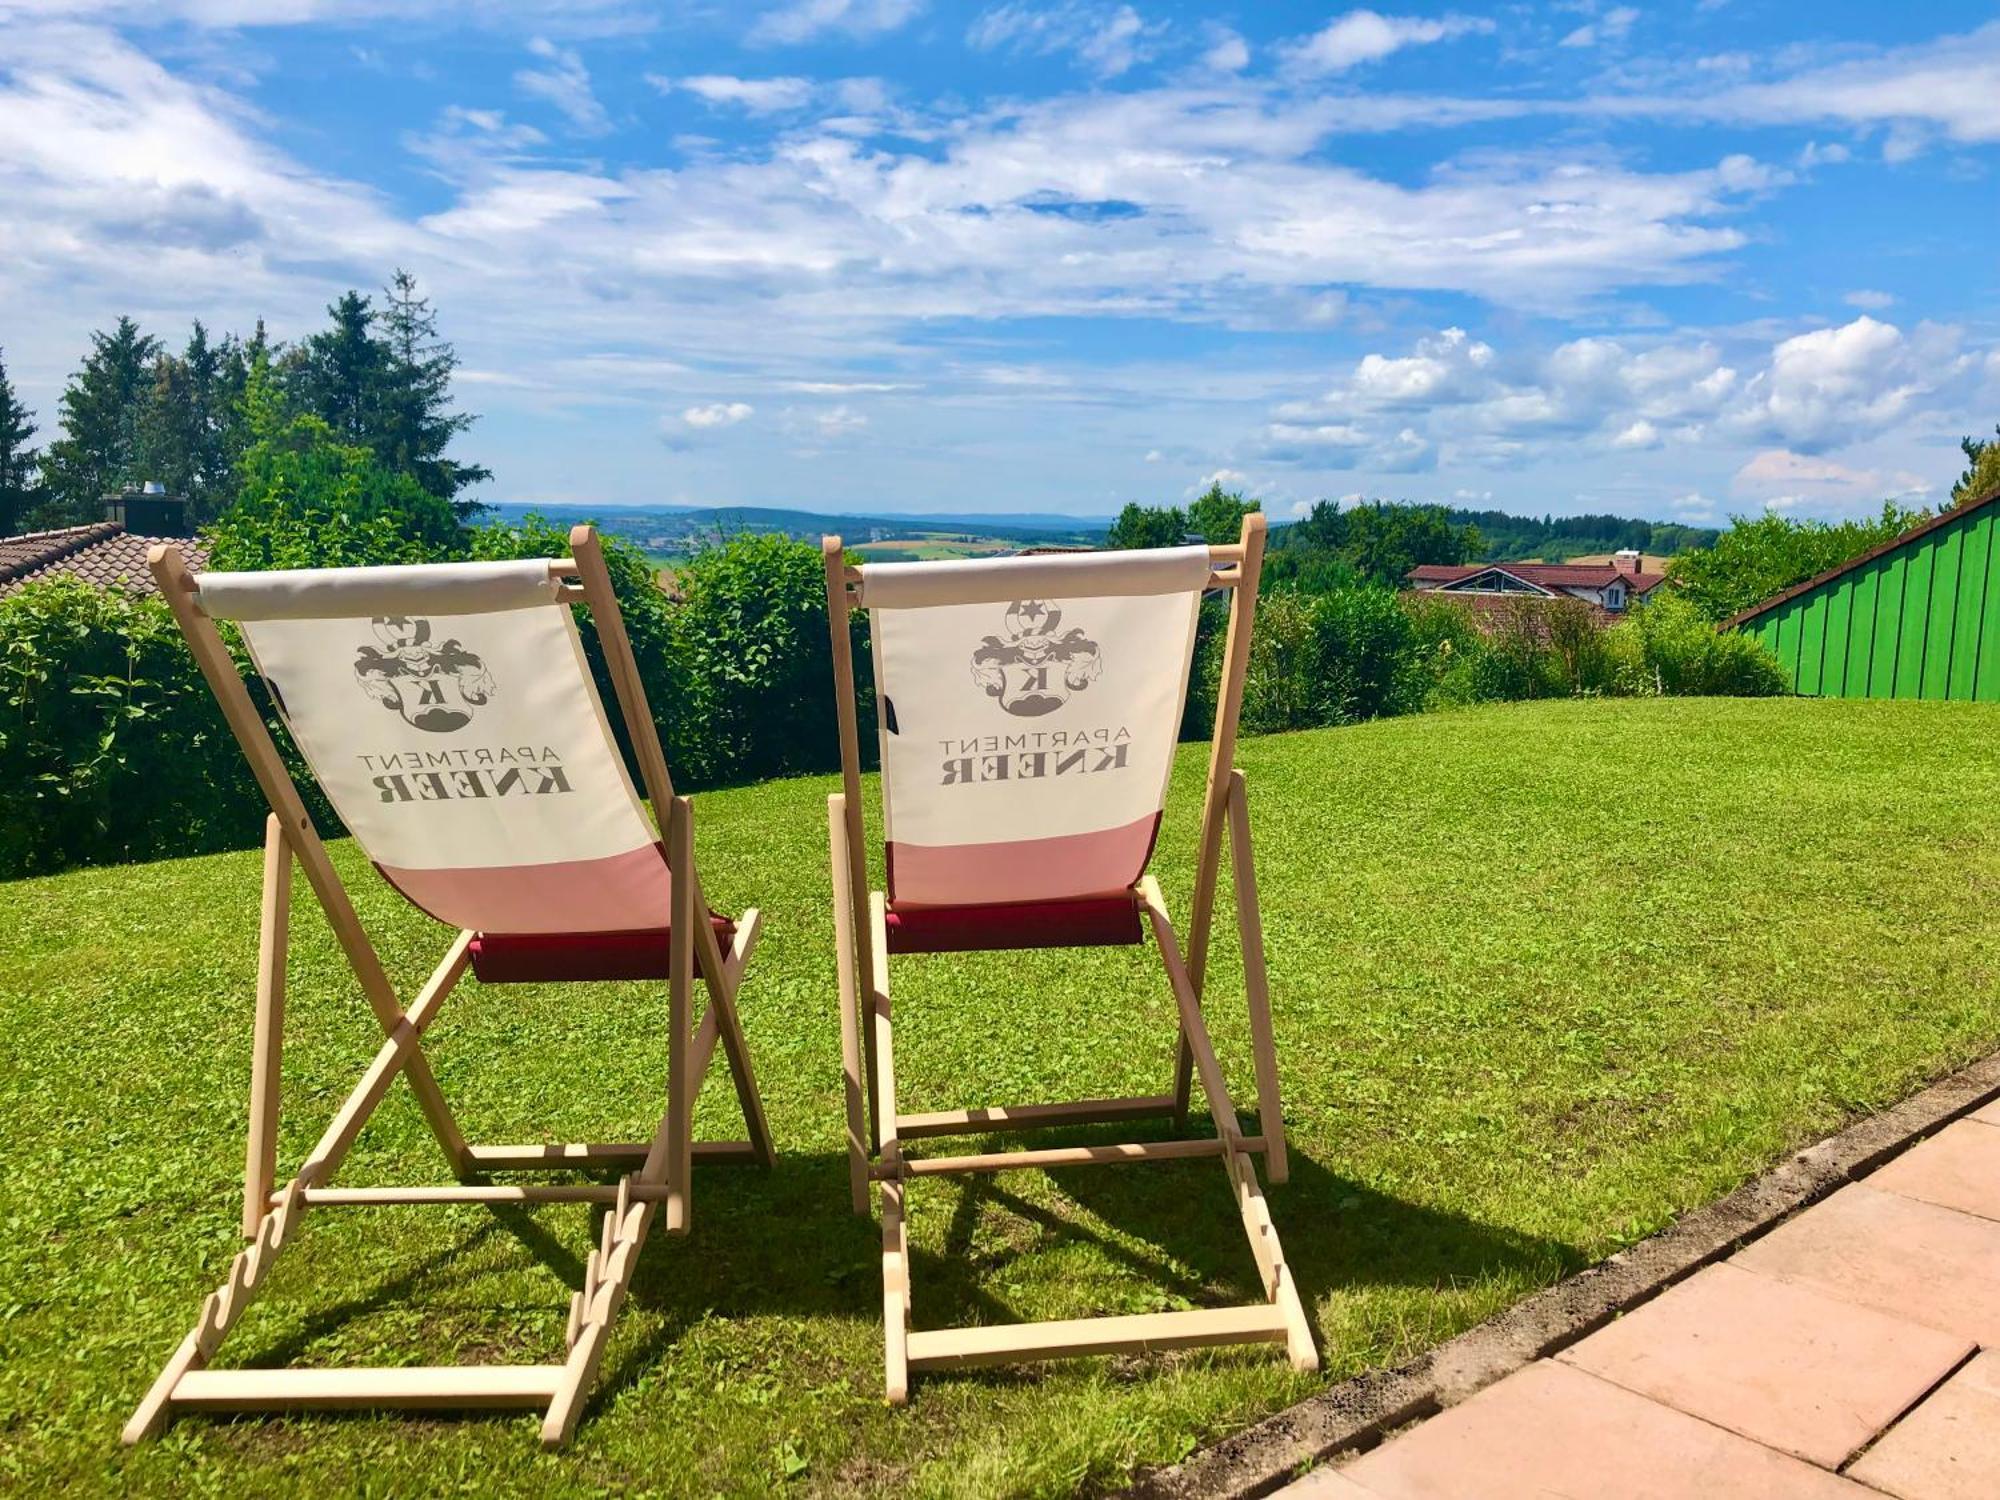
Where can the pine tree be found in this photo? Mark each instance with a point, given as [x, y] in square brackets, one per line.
[417, 421]
[17, 459]
[98, 451]
[339, 375]
[166, 435]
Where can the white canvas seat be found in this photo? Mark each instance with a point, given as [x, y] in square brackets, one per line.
[1028, 711]
[449, 715]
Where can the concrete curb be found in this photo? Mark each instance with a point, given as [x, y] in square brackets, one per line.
[1355, 1414]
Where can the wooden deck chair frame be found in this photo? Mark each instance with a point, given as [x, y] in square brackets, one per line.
[877, 1131]
[656, 1171]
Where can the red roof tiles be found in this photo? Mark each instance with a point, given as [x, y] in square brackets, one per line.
[1542, 575]
[102, 553]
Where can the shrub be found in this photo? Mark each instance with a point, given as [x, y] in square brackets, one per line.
[1758, 556]
[1333, 658]
[111, 747]
[752, 663]
[1670, 647]
[307, 500]
[1445, 647]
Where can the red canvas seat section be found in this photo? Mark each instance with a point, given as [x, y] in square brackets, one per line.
[1099, 922]
[555, 957]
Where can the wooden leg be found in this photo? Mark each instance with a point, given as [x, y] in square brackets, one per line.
[1256, 981]
[1183, 1079]
[895, 1297]
[1278, 1283]
[680, 1003]
[723, 981]
[260, 1158]
[895, 1231]
[850, 1011]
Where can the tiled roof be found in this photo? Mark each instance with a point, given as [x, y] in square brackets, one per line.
[1488, 611]
[1543, 575]
[103, 553]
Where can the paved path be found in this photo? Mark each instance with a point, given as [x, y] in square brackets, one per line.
[1841, 1355]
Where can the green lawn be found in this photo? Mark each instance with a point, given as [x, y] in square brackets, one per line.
[1545, 976]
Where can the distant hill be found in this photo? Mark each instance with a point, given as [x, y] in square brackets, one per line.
[673, 531]
[1560, 538]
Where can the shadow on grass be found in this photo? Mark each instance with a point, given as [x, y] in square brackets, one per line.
[785, 1243]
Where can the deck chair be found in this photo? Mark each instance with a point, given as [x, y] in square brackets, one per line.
[449, 715]
[1028, 709]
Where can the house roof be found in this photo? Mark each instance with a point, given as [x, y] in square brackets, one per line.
[1541, 575]
[103, 553]
[1489, 610]
[1942, 518]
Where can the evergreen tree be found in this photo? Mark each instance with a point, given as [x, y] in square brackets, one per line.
[417, 421]
[187, 424]
[166, 440]
[17, 459]
[99, 449]
[339, 375]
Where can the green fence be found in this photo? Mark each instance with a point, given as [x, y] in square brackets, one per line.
[1919, 618]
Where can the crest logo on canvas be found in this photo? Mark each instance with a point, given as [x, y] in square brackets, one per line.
[1034, 668]
[434, 686]
[1030, 669]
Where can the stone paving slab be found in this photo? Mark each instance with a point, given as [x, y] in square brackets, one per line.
[1552, 1430]
[1912, 1260]
[1778, 1362]
[1949, 1447]
[1328, 1484]
[1957, 1168]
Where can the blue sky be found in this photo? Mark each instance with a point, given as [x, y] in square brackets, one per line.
[1676, 261]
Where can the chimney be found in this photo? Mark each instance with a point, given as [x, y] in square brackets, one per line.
[1627, 560]
[148, 510]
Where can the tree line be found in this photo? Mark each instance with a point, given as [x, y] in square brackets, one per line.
[378, 377]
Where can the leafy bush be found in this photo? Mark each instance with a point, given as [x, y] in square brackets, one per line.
[1758, 557]
[752, 665]
[307, 500]
[1445, 647]
[111, 747]
[1334, 658]
[1670, 647]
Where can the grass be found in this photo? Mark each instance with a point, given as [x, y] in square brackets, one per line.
[1546, 976]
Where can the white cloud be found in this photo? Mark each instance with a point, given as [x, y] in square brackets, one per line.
[1694, 508]
[1445, 368]
[565, 84]
[1608, 29]
[839, 421]
[1871, 301]
[1363, 36]
[717, 414]
[1233, 480]
[1951, 85]
[805, 20]
[1106, 39]
[1784, 480]
[1827, 388]
[1472, 404]
[757, 95]
[1227, 53]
